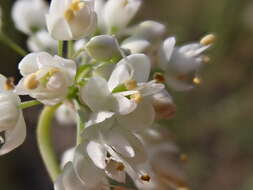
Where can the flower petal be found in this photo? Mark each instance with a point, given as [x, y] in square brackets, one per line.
[124, 105]
[28, 64]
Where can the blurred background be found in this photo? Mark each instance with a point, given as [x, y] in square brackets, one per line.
[214, 122]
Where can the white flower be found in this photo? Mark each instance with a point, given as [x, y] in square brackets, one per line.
[114, 149]
[129, 79]
[164, 164]
[42, 41]
[148, 30]
[136, 45]
[67, 156]
[29, 15]
[182, 63]
[103, 48]
[118, 13]
[45, 77]
[99, 8]
[71, 19]
[65, 114]
[163, 105]
[12, 122]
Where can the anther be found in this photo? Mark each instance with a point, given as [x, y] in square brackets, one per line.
[9, 84]
[31, 82]
[69, 14]
[159, 77]
[206, 59]
[208, 39]
[131, 84]
[145, 178]
[120, 166]
[76, 5]
[183, 157]
[137, 97]
[125, 3]
[197, 80]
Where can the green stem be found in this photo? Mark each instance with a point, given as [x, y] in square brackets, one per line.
[45, 141]
[79, 123]
[28, 104]
[70, 48]
[10, 43]
[60, 48]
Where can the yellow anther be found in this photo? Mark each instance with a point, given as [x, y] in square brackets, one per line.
[159, 77]
[206, 59]
[125, 3]
[145, 178]
[120, 166]
[183, 157]
[9, 84]
[137, 97]
[31, 82]
[76, 5]
[53, 71]
[69, 14]
[208, 39]
[131, 84]
[197, 80]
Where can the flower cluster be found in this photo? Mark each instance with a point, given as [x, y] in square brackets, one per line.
[109, 78]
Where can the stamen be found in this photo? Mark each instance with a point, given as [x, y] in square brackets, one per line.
[159, 77]
[9, 84]
[131, 84]
[120, 166]
[31, 82]
[206, 59]
[208, 39]
[69, 14]
[137, 97]
[197, 80]
[145, 178]
[183, 157]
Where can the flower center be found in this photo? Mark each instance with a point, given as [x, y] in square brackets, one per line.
[74, 7]
[137, 97]
[31, 82]
[131, 84]
[159, 77]
[9, 84]
[120, 166]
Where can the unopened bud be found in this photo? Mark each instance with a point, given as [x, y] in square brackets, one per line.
[103, 48]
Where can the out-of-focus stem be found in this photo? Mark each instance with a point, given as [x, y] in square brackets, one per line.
[29, 104]
[70, 48]
[60, 48]
[44, 139]
[11, 44]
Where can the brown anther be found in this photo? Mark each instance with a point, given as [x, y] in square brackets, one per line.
[159, 77]
[9, 84]
[31, 82]
[131, 84]
[145, 178]
[120, 166]
[183, 157]
[208, 39]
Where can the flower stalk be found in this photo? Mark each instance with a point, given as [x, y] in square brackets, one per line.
[29, 104]
[45, 141]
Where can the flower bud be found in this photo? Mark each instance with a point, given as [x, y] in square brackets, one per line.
[28, 15]
[103, 48]
[71, 20]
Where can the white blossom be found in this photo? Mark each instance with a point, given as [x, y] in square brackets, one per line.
[12, 122]
[42, 41]
[29, 15]
[181, 64]
[46, 78]
[136, 45]
[118, 14]
[65, 114]
[103, 48]
[71, 19]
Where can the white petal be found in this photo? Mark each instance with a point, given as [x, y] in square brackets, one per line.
[168, 47]
[97, 95]
[99, 117]
[97, 153]
[136, 45]
[141, 118]
[14, 137]
[124, 105]
[2, 82]
[28, 64]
